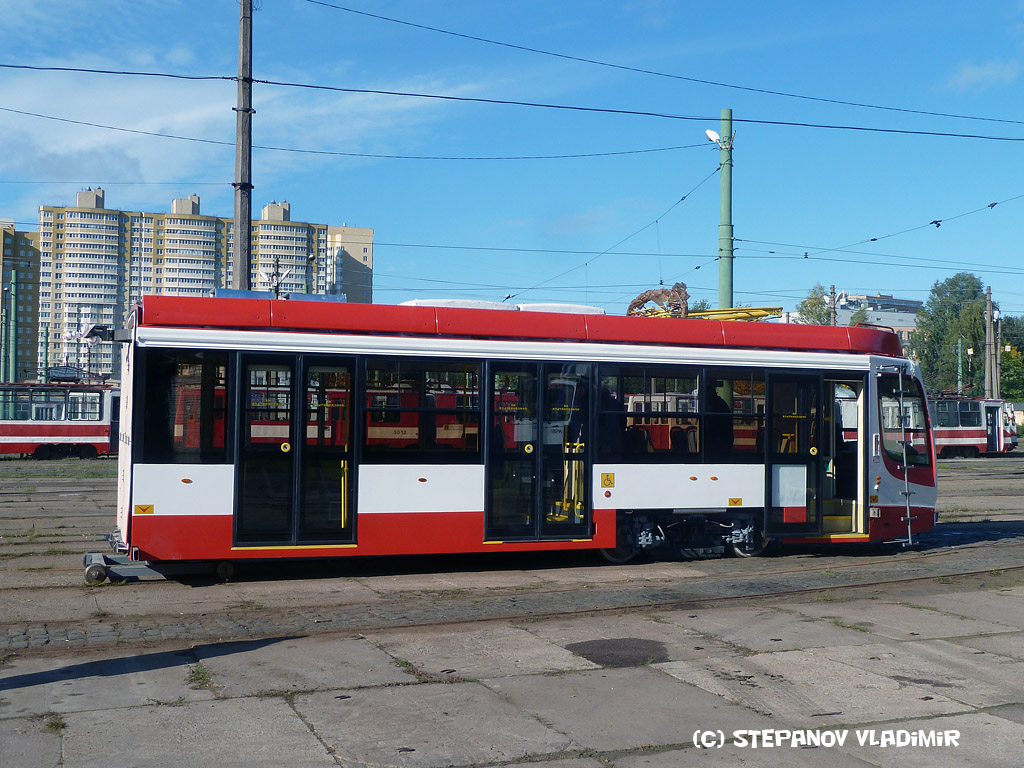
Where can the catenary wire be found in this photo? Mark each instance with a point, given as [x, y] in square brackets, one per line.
[639, 70]
[637, 113]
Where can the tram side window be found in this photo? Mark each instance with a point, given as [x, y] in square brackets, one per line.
[907, 424]
[84, 406]
[422, 411]
[970, 413]
[648, 413]
[184, 407]
[946, 414]
[15, 405]
[49, 405]
[734, 415]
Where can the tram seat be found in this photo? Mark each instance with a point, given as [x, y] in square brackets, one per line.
[683, 439]
[637, 441]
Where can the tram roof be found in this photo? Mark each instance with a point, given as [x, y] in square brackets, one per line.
[403, 320]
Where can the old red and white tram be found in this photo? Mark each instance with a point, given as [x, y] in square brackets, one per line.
[257, 429]
[53, 420]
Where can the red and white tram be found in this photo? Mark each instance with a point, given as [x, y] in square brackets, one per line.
[972, 427]
[58, 420]
[257, 429]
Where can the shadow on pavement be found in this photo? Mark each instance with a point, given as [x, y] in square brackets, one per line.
[127, 665]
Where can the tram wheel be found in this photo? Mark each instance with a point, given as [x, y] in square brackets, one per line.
[753, 549]
[95, 573]
[225, 570]
[622, 554]
[87, 452]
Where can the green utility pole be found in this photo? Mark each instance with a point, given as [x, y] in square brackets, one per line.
[12, 328]
[725, 226]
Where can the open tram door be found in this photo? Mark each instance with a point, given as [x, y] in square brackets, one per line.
[794, 456]
[993, 427]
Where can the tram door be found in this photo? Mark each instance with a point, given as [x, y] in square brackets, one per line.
[538, 451]
[841, 454]
[293, 483]
[794, 454]
[993, 426]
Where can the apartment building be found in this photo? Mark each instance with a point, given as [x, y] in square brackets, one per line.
[19, 302]
[95, 263]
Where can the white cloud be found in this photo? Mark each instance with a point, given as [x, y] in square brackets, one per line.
[972, 77]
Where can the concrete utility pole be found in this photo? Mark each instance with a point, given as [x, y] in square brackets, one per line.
[242, 250]
[989, 346]
[999, 358]
[725, 226]
[832, 305]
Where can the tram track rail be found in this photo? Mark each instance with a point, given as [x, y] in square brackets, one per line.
[165, 620]
[80, 542]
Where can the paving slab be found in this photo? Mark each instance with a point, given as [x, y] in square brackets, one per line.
[943, 668]
[314, 663]
[427, 725]
[1012, 712]
[232, 733]
[458, 582]
[582, 762]
[290, 593]
[634, 574]
[1004, 606]
[731, 756]
[898, 621]
[1010, 644]
[30, 743]
[677, 642]
[808, 688]
[35, 685]
[615, 709]
[774, 629]
[474, 651]
[986, 740]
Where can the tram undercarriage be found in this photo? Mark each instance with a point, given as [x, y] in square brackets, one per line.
[686, 534]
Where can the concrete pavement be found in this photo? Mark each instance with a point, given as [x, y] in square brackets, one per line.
[938, 662]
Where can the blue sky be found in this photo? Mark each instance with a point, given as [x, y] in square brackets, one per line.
[486, 228]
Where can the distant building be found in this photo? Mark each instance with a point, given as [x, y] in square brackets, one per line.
[881, 309]
[95, 263]
[19, 306]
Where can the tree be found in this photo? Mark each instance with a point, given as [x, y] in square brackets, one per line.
[1011, 381]
[700, 305]
[860, 316]
[954, 312]
[815, 310]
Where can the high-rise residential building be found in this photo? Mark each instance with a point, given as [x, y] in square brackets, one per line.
[95, 263]
[19, 278]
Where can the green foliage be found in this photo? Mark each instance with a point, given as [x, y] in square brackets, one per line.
[1011, 382]
[700, 305]
[860, 316]
[955, 311]
[814, 310]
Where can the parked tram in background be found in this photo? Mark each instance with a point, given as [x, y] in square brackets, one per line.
[50, 421]
[260, 429]
[973, 427]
